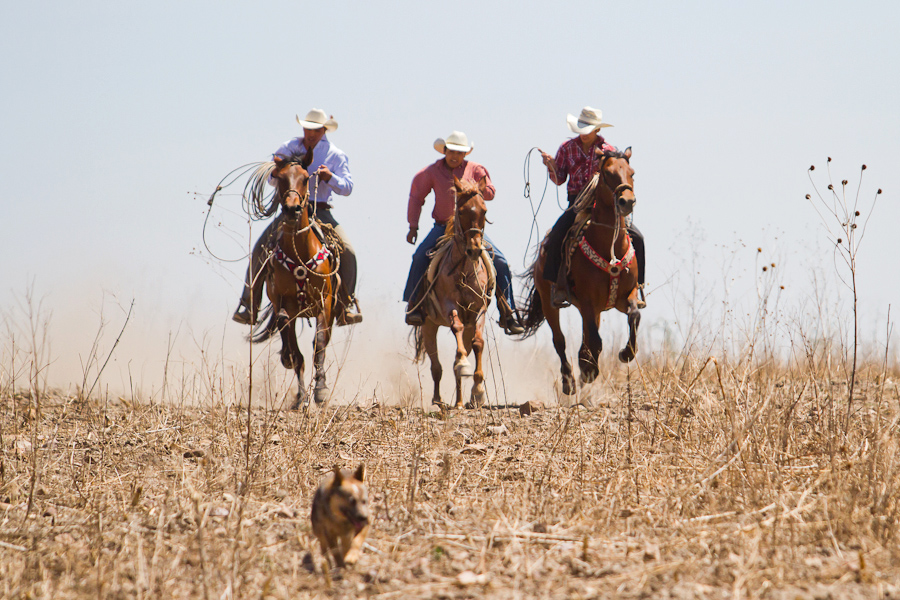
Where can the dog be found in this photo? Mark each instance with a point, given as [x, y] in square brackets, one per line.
[340, 514]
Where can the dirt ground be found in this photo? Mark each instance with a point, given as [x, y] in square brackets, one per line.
[681, 486]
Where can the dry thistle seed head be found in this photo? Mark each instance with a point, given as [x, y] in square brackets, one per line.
[829, 159]
[879, 191]
[844, 182]
[759, 249]
[812, 167]
[782, 287]
[807, 196]
[864, 167]
[773, 265]
[765, 269]
[830, 187]
[840, 241]
[857, 213]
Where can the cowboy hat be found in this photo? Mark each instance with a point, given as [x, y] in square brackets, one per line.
[317, 119]
[589, 120]
[455, 141]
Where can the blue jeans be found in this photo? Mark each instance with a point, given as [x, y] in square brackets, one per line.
[420, 266]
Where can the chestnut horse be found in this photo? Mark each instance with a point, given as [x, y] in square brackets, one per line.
[459, 287]
[602, 266]
[300, 277]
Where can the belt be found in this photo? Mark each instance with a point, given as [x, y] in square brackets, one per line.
[323, 206]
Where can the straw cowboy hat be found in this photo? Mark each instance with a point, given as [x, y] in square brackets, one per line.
[589, 120]
[455, 141]
[317, 119]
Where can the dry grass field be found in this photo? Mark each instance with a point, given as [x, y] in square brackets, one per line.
[701, 481]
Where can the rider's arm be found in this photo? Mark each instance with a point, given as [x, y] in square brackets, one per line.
[422, 184]
[341, 181]
[482, 173]
[561, 173]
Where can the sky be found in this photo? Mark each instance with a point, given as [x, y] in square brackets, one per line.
[119, 119]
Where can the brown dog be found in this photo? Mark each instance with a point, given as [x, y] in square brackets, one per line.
[340, 514]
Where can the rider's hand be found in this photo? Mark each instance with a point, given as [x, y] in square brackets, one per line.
[548, 160]
[324, 173]
[412, 235]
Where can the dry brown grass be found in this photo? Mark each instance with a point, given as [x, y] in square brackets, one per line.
[705, 482]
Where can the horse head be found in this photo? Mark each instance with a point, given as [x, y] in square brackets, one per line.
[617, 178]
[470, 214]
[292, 182]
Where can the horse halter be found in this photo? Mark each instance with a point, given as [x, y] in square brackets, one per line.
[304, 200]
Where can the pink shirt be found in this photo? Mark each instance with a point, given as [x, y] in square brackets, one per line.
[437, 177]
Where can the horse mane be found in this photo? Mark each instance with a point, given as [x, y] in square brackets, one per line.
[585, 199]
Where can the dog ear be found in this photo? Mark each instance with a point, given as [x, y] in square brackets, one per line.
[360, 474]
[338, 477]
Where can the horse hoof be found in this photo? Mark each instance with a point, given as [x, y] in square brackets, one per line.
[320, 394]
[477, 401]
[626, 355]
[463, 368]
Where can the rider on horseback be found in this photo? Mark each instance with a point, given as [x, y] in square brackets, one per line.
[438, 177]
[329, 172]
[576, 161]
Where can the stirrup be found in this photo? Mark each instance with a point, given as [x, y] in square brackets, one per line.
[243, 316]
[559, 296]
[415, 318]
[511, 324]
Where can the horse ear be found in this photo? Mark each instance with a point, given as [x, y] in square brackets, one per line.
[482, 185]
[307, 160]
[627, 153]
[457, 183]
[278, 160]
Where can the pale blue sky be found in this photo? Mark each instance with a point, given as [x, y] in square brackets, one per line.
[118, 119]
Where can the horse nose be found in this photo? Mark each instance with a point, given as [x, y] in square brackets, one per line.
[626, 205]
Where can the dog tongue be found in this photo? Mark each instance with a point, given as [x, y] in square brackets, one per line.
[359, 525]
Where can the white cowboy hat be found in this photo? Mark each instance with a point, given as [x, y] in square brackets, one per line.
[455, 141]
[589, 120]
[317, 119]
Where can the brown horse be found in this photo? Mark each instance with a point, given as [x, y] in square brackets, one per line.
[602, 266]
[300, 277]
[460, 285]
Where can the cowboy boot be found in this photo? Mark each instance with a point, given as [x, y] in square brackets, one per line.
[509, 319]
[642, 301]
[346, 316]
[415, 311]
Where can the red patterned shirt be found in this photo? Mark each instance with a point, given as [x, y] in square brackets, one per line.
[437, 177]
[574, 164]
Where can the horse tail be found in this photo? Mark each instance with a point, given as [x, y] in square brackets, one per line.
[260, 332]
[419, 342]
[533, 311]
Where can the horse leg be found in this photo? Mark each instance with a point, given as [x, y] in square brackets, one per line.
[283, 323]
[475, 340]
[591, 344]
[429, 340]
[628, 353]
[320, 342]
[461, 364]
[289, 342]
[551, 314]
